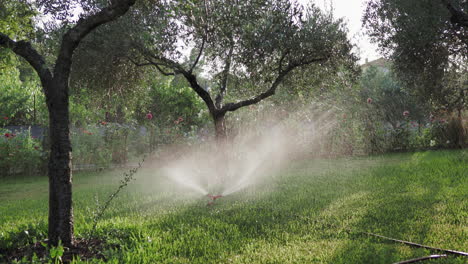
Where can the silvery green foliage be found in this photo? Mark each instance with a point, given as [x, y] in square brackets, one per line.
[243, 47]
[428, 48]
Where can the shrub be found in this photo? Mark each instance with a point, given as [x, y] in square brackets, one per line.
[89, 147]
[19, 153]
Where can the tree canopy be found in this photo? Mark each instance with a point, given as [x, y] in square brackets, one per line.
[427, 46]
[248, 48]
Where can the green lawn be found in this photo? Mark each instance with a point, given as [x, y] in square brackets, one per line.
[311, 212]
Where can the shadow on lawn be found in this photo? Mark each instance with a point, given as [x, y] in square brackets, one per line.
[395, 201]
[404, 210]
[205, 234]
[327, 207]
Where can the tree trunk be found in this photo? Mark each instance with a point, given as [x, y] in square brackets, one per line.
[220, 127]
[60, 175]
[461, 130]
[55, 87]
[221, 153]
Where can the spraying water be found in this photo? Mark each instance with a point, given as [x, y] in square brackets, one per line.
[247, 160]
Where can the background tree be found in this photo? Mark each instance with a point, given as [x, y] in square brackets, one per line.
[54, 80]
[249, 48]
[17, 82]
[458, 10]
[428, 50]
[388, 97]
[104, 74]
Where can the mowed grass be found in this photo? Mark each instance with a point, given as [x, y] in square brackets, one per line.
[311, 212]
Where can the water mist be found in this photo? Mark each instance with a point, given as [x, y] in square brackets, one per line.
[247, 159]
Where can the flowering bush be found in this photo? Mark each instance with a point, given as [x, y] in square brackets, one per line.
[149, 116]
[447, 133]
[19, 153]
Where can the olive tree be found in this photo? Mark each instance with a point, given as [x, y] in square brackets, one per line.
[427, 42]
[247, 49]
[54, 79]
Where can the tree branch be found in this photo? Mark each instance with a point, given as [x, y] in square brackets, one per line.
[179, 69]
[72, 37]
[198, 57]
[280, 66]
[162, 61]
[458, 16]
[158, 67]
[271, 91]
[138, 64]
[25, 50]
[151, 63]
[205, 96]
[225, 75]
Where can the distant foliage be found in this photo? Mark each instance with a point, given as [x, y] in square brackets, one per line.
[20, 153]
[172, 102]
[428, 48]
[89, 147]
[379, 115]
[21, 99]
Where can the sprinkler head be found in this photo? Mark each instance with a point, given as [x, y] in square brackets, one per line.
[213, 199]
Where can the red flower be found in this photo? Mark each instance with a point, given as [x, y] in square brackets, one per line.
[6, 118]
[149, 116]
[406, 113]
[36, 147]
[103, 123]
[7, 135]
[179, 120]
[369, 100]
[87, 132]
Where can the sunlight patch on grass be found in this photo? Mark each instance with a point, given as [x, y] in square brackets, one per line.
[311, 212]
[347, 210]
[294, 252]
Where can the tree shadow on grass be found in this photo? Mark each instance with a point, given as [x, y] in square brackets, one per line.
[205, 235]
[404, 209]
[312, 209]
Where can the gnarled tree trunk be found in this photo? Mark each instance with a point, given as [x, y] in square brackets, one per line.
[55, 87]
[220, 127]
[60, 174]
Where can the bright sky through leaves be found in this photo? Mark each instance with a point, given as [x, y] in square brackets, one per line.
[351, 11]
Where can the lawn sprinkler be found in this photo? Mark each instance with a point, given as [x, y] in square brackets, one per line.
[213, 198]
